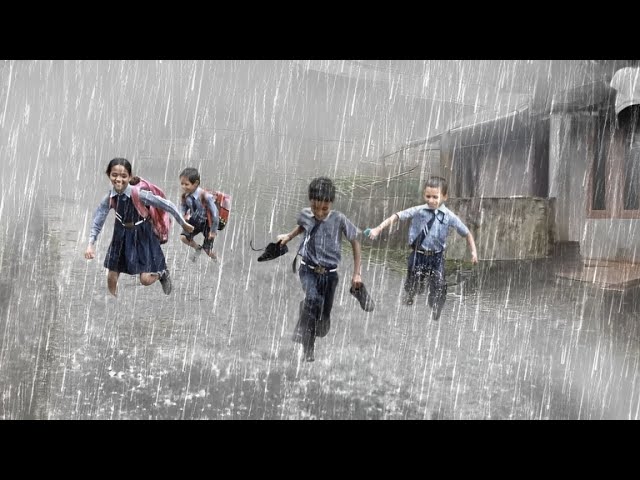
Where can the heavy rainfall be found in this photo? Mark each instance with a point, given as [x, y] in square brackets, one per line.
[540, 167]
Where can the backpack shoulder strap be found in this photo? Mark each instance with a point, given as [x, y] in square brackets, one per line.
[203, 200]
[294, 265]
[309, 236]
[141, 207]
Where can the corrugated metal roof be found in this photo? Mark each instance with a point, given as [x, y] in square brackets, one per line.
[508, 108]
[581, 97]
[485, 118]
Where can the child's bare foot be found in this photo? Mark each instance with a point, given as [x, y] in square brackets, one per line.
[212, 255]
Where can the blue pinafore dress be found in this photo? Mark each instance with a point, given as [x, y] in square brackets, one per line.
[133, 249]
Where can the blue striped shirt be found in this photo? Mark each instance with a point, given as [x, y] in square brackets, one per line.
[436, 238]
[327, 236]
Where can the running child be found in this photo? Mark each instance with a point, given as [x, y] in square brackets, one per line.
[196, 202]
[134, 248]
[320, 251]
[430, 224]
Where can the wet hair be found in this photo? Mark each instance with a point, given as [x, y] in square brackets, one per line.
[437, 182]
[191, 173]
[322, 189]
[127, 166]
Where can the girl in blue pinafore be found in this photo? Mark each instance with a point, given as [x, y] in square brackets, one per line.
[134, 248]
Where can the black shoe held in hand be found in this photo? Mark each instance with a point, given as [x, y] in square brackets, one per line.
[361, 294]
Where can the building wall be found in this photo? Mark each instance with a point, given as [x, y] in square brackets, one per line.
[571, 153]
[503, 228]
[564, 162]
[503, 169]
[498, 161]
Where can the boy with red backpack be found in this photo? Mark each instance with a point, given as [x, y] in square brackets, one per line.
[206, 211]
[141, 227]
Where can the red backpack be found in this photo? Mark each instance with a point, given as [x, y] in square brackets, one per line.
[160, 219]
[223, 203]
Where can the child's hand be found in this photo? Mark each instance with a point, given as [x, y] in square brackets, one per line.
[474, 258]
[212, 235]
[188, 228]
[283, 239]
[374, 232]
[356, 280]
[90, 252]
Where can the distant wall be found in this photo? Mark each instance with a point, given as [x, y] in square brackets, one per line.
[571, 140]
[498, 169]
[571, 156]
[504, 228]
[498, 161]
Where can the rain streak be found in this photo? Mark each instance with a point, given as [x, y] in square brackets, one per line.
[542, 165]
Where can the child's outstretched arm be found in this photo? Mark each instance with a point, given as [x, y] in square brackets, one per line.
[184, 208]
[472, 248]
[149, 198]
[285, 238]
[99, 217]
[356, 279]
[387, 223]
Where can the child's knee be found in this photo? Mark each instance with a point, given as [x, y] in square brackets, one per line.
[184, 239]
[313, 305]
[147, 278]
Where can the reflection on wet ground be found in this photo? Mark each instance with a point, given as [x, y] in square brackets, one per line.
[516, 342]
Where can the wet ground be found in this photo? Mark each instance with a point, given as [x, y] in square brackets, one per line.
[514, 342]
